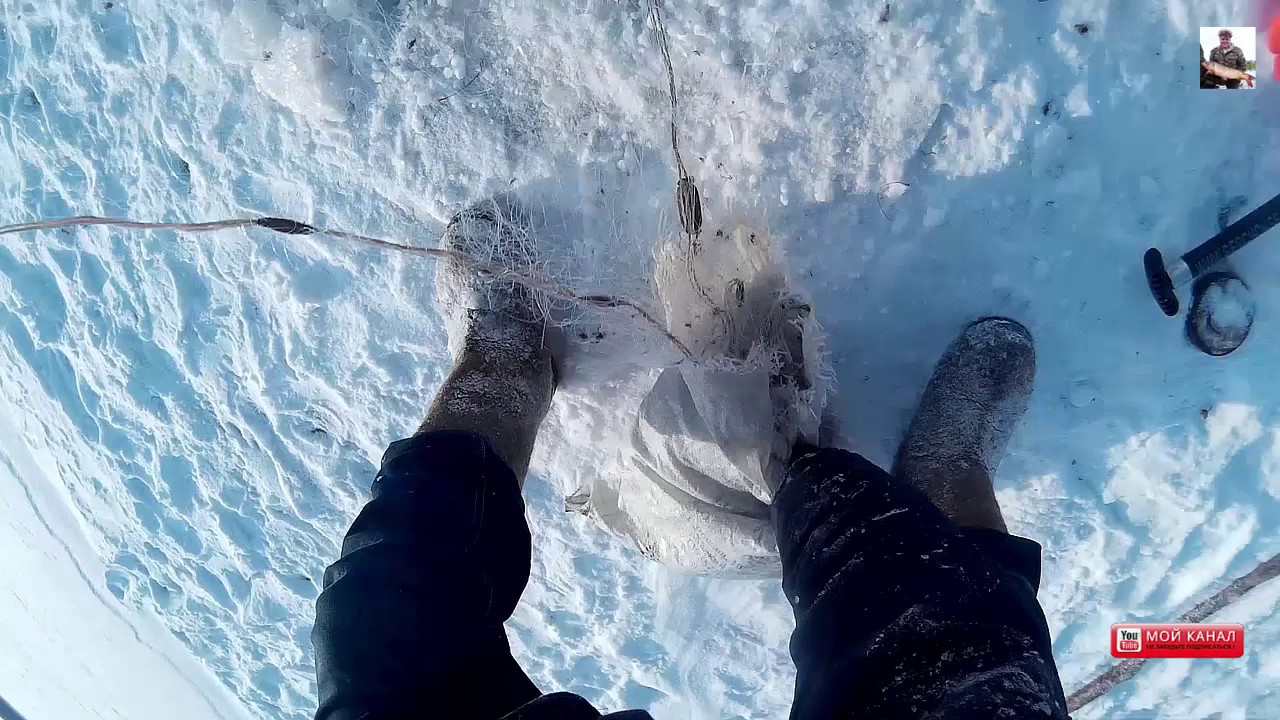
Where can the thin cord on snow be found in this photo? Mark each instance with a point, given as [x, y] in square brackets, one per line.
[465, 85]
[286, 226]
[665, 48]
[87, 220]
[688, 201]
[1126, 669]
[884, 187]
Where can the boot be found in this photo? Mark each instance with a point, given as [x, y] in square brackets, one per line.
[977, 395]
[504, 373]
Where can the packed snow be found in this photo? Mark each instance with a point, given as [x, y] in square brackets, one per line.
[206, 413]
[71, 650]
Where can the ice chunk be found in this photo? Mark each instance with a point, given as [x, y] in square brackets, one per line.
[288, 64]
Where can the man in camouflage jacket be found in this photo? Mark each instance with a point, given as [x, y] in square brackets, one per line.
[1228, 55]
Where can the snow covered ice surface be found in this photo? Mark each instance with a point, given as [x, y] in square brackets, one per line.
[70, 648]
[209, 410]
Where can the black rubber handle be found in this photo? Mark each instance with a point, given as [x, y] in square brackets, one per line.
[1204, 256]
[1159, 282]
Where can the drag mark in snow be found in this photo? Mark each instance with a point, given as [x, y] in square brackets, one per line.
[1126, 669]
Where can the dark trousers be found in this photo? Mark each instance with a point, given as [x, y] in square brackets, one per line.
[899, 613]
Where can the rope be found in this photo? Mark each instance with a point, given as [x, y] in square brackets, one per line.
[688, 200]
[664, 46]
[1125, 670]
[87, 220]
[286, 226]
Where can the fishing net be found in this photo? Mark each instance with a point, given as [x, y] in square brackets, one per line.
[705, 451]
[742, 375]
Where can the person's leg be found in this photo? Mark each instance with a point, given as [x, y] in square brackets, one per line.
[976, 397]
[500, 388]
[410, 622]
[899, 612]
[910, 599]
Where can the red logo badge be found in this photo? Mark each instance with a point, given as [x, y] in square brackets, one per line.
[1177, 640]
[1273, 42]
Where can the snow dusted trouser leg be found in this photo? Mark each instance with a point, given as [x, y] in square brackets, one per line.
[899, 612]
[410, 623]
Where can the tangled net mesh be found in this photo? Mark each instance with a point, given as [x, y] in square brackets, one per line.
[724, 301]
